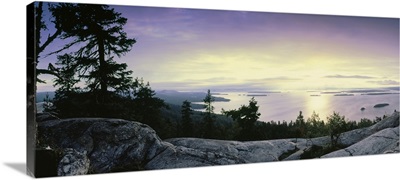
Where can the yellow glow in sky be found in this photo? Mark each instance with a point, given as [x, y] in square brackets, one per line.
[186, 49]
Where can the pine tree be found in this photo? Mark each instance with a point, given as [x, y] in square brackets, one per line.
[245, 116]
[94, 35]
[208, 116]
[300, 126]
[99, 31]
[336, 125]
[186, 112]
[146, 106]
[40, 46]
[66, 74]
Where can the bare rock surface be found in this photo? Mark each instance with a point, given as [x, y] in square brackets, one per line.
[100, 145]
[246, 152]
[73, 163]
[384, 141]
[110, 144]
[354, 136]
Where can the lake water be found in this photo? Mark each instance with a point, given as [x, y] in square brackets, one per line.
[286, 105]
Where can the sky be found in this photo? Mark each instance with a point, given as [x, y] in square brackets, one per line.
[192, 49]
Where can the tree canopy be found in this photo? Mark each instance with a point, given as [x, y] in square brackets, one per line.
[40, 26]
[209, 126]
[187, 124]
[97, 31]
[336, 126]
[245, 116]
[91, 83]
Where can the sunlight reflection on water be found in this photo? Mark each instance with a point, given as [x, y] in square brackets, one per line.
[286, 105]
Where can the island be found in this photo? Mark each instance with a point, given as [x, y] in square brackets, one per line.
[383, 93]
[315, 95]
[256, 95]
[344, 95]
[381, 105]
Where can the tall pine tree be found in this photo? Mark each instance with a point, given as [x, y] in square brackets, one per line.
[147, 106]
[208, 116]
[245, 116]
[94, 36]
[98, 31]
[40, 27]
[187, 124]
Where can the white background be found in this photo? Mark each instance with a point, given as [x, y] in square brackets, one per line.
[13, 93]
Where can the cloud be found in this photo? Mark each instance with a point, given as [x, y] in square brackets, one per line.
[220, 84]
[281, 78]
[385, 82]
[349, 77]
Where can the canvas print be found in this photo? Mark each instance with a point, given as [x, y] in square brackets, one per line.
[133, 88]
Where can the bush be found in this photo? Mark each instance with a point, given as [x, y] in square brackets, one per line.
[336, 126]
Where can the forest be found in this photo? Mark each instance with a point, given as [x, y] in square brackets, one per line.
[91, 82]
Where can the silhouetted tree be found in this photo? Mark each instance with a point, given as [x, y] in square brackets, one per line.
[187, 125]
[98, 30]
[66, 74]
[245, 116]
[300, 119]
[336, 126]
[146, 106]
[208, 116]
[40, 46]
[300, 126]
[315, 127]
[96, 34]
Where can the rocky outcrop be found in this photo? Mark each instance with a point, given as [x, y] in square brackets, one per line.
[109, 144]
[192, 152]
[98, 145]
[73, 163]
[354, 136]
[181, 157]
[363, 135]
[384, 141]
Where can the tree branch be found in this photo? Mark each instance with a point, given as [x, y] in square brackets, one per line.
[49, 40]
[51, 70]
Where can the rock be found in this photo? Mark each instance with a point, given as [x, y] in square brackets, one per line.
[73, 163]
[388, 122]
[244, 152]
[266, 151]
[349, 138]
[45, 117]
[384, 141]
[354, 136]
[99, 145]
[295, 156]
[111, 144]
[183, 157]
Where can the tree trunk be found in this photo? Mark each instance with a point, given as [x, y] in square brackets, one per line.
[38, 24]
[102, 67]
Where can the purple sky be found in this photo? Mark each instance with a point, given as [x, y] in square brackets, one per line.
[186, 49]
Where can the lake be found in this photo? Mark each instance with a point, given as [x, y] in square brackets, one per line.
[279, 106]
